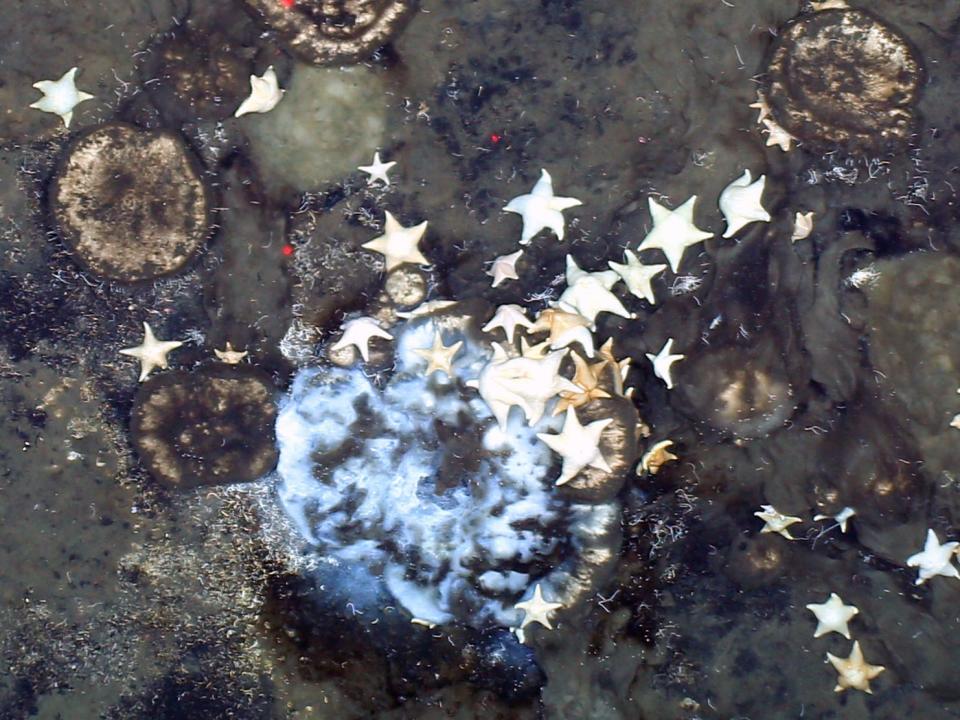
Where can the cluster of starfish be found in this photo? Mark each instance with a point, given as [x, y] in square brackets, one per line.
[672, 233]
[776, 134]
[936, 558]
[152, 353]
[853, 671]
[832, 615]
[61, 96]
[529, 377]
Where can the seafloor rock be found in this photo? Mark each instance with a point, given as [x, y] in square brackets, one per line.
[329, 122]
[342, 31]
[844, 77]
[741, 390]
[207, 427]
[914, 344]
[130, 202]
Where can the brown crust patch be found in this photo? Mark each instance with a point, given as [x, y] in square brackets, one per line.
[844, 78]
[334, 31]
[211, 426]
[130, 202]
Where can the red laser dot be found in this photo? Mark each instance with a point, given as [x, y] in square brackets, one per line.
[287, 3]
[287, 250]
[494, 138]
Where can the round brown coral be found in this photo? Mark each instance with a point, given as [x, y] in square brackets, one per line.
[130, 202]
[334, 31]
[208, 427]
[843, 77]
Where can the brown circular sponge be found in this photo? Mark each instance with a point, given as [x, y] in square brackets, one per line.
[334, 31]
[844, 77]
[211, 426]
[130, 202]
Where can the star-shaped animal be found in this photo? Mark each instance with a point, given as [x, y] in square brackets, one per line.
[358, 332]
[637, 276]
[508, 318]
[578, 445]
[265, 93]
[61, 96]
[740, 203]
[588, 293]
[151, 353]
[832, 616]
[587, 378]
[935, 559]
[565, 328]
[537, 610]
[657, 456]
[673, 231]
[439, 356]
[775, 521]
[529, 383]
[854, 672]
[776, 135]
[504, 268]
[378, 170]
[540, 209]
[399, 244]
[229, 355]
[662, 362]
[802, 226]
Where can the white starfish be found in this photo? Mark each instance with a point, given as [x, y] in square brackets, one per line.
[358, 332]
[802, 226]
[934, 559]
[662, 362]
[588, 293]
[673, 231]
[841, 518]
[508, 317]
[527, 382]
[832, 616]
[438, 355]
[579, 445]
[151, 353]
[378, 170]
[504, 267]
[740, 203]
[537, 610]
[637, 276]
[265, 93]
[61, 96]
[541, 209]
[399, 244]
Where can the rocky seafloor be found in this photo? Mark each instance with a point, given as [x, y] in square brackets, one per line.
[124, 595]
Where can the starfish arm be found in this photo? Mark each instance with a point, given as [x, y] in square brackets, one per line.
[600, 462]
[543, 186]
[657, 211]
[518, 204]
[564, 203]
[554, 442]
